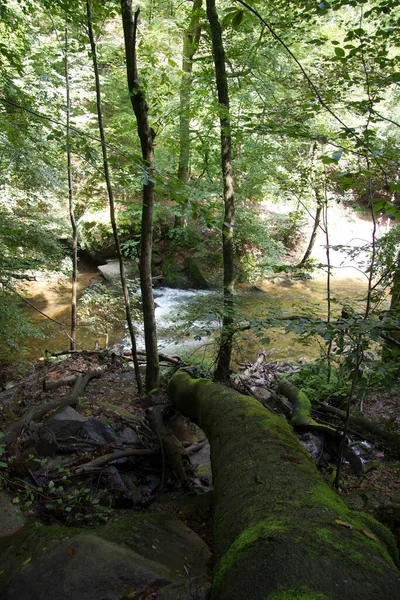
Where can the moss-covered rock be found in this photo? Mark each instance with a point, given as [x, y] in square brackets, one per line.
[133, 552]
[278, 526]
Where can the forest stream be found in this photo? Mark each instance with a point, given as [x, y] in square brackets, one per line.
[185, 315]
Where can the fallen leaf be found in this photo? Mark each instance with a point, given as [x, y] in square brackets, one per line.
[71, 550]
[369, 535]
[348, 525]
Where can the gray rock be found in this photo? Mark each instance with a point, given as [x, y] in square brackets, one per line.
[85, 567]
[261, 393]
[161, 537]
[110, 271]
[128, 436]
[96, 431]
[66, 423]
[131, 553]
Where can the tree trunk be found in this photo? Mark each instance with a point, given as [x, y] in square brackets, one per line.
[279, 530]
[317, 221]
[319, 196]
[395, 308]
[190, 44]
[111, 200]
[71, 201]
[222, 372]
[146, 136]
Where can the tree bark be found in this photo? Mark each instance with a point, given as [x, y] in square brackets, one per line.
[190, 44]
[319, 196]
[111, 199]
[222, 372]
[394, 338]
[146, 136]
[311, 243]
[279, 530]
[71, 201]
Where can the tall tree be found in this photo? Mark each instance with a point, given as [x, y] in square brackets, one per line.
[111, 195]
[222, 370]
[71, 199]
[191, 40]
[146, 136]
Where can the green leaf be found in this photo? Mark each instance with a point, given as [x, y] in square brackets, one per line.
[237, 19]
[327, 160]
[340, 52]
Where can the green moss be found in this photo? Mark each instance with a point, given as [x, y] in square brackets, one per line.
[302, 411]
[58, 532]
[322, 495]
[332, 539]
[302, 593]
[264, 529]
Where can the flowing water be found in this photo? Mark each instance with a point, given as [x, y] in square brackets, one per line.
[188, 321]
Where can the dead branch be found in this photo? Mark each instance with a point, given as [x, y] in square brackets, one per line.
[172, 446]
[37, 412]
[107, 458]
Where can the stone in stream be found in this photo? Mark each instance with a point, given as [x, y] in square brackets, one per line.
[110, 271]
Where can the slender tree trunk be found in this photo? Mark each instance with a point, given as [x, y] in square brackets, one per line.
[111, 198]
[313, 237]
[392, 337]
[190, 44]
[71, 201]
[319, 197]
[222, 371]
[146, 136]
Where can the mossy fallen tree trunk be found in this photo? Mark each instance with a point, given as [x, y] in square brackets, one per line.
[280, 532]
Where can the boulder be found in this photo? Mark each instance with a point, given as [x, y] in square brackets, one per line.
[110, 271]
[66, 423]
[132, 554]
[85, 567]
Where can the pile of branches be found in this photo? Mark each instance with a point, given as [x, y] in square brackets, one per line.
[68, 467]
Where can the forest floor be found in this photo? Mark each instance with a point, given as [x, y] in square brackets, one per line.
[115, 420]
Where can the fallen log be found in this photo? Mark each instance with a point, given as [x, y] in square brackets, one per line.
[302, 421]
[279, 530]
[365, 426]
[37, 412]
[53, 384]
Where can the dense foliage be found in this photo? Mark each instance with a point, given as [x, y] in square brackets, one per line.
[314, 102]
